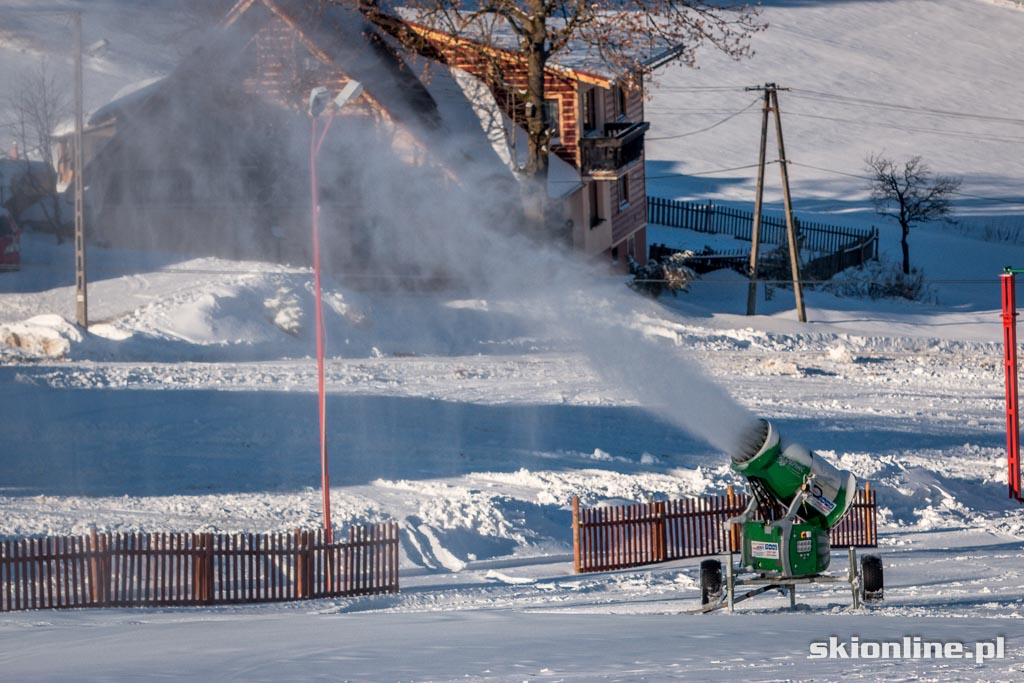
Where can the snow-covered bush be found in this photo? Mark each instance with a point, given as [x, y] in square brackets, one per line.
[285, 311]
[670, 274]
[882, 280]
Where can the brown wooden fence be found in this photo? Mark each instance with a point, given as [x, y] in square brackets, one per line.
[818, 238]
[633, 535]
[178, 569]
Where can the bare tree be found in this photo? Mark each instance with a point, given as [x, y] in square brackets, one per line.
[628, 38]
[39, 102]
[909, 193]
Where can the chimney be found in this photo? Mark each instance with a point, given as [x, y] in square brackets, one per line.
[14, 150]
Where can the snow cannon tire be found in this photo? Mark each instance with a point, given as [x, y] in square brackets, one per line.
[872, 583]
[710, 581]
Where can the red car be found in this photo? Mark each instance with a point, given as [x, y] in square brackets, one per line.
[10, 236]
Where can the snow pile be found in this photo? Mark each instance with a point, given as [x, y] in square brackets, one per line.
[42, 336]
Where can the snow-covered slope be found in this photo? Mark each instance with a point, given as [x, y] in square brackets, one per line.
[472, 418]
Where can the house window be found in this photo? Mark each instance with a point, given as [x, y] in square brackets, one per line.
[550, 112]
[624, 192]
[620, 96]
[589, 110]
[594, 199]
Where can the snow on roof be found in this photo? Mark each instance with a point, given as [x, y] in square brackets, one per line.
[469, 107]
[125, 97]
[579, 56]
[344, 36]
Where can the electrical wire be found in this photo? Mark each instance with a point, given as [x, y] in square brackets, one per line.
[700, 88]
[712, 126]
[818, 95]
[912, 129]
[864, 177]
[699, 173]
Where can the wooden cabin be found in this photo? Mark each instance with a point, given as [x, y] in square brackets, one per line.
[598, 129]
[214, 159]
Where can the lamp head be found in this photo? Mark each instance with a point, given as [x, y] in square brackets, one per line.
[352, 90]
[317, 100]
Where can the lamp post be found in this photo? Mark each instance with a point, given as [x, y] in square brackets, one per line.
[318, 101]
[81, 292]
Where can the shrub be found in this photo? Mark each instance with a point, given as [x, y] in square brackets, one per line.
[670, 274]
[882, 280]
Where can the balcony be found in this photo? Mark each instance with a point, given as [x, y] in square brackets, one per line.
[621, 144]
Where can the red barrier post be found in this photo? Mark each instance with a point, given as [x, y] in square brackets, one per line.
[1009, 282]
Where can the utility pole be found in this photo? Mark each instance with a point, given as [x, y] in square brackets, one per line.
[755, 236]
[771, 104]
[81, 294]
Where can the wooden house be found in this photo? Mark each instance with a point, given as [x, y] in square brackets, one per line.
[597, 123]
[215, 157]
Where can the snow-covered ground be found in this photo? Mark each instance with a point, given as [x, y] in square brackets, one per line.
[472, 418]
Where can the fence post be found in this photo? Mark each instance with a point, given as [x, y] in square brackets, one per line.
[707, 217]
[869, 513]
[95, 578]
[196, 589]
[662, 530]
[734, 530]
[301, 583]
[203, 558]
[576, 534]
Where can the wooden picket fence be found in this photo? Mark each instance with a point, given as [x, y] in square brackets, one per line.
[182, 569]
[819, 238]
[626, 536]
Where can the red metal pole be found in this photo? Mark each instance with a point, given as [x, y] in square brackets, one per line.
[1009, 282]
[325, 480]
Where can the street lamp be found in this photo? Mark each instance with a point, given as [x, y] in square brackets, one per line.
[81, 293]
[318, 101]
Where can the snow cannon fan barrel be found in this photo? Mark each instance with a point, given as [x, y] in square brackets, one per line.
[782, 468]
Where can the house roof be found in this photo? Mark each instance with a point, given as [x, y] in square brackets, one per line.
[580, 59]
[343, 38]
[483, 132]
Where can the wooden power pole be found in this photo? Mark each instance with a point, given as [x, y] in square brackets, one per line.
[771, 104]
[81, 295]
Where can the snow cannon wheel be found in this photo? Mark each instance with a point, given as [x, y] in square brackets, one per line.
[710, 581]
[872, 584]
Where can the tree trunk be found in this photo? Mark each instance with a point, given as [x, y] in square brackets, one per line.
[537, 59]
[538, 208]
[906, 249]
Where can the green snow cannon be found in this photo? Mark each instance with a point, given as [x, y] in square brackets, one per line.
[783, 468]
[807, 486]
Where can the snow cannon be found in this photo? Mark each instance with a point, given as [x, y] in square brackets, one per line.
[814, 494]
[783, 469]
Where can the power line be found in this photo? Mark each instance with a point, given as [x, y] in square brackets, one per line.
[700, 88]
[864, 177]
[700, 173]
[714, 125]
[912, 129]
[814, 94]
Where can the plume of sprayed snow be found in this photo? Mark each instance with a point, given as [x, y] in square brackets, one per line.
[422, 205]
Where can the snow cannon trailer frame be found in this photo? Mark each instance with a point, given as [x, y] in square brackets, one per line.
[794, 548]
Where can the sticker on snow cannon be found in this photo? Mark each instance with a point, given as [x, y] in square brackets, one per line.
[819, 502]
[765, 550]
